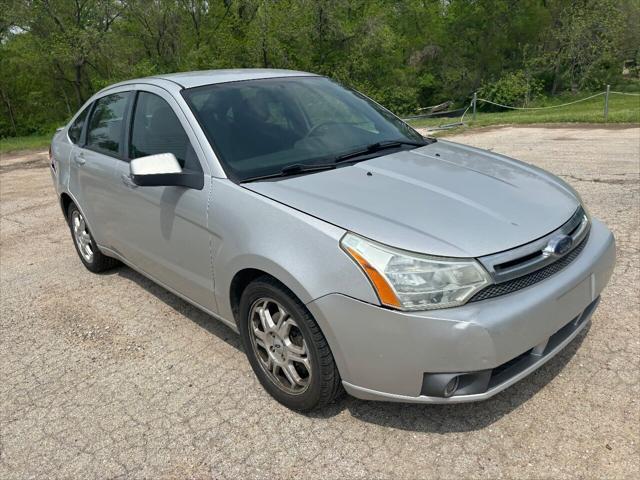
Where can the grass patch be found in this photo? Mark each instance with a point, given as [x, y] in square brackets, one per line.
[622, 109]
[32, 142]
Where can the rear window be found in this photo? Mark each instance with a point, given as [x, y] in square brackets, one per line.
[75, 130]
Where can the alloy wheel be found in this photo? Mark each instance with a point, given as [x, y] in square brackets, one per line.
[81, 236]
[279, 345]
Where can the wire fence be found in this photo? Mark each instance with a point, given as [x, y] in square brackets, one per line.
[473, 106]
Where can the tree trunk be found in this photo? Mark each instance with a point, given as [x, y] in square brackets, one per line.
[556, 79]
[265, 55]
[66, 101]
[321, 25]
[77, 85]
[574, 83]
[12, 118]
[264, 32]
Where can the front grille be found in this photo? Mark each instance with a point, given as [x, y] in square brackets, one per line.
[532, 278]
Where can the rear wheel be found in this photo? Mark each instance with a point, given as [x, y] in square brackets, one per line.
[91, 257]
[286, 348]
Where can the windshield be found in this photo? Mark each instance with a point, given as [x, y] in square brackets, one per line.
[259, 127]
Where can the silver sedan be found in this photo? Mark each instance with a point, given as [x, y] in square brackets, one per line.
[348, 251]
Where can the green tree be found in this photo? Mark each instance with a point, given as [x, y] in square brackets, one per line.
[403, 53]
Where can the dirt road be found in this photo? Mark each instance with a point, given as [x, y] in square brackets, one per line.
[106, 376]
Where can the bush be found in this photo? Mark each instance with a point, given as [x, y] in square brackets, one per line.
[514, 89]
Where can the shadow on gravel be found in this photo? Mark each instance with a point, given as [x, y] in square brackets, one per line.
[419, 418]
[194, 314]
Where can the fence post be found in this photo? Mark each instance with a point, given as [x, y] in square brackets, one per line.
[475, 99]
[606, 103]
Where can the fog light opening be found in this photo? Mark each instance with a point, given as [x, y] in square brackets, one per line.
[451, 387]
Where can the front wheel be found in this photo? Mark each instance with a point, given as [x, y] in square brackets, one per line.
[286, 348]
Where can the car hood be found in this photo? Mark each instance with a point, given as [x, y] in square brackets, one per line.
[442, 199]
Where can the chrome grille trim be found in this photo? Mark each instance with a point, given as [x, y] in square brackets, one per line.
[521, 261]
[510, 286]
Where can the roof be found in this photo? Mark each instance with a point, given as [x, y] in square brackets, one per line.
[207, 77]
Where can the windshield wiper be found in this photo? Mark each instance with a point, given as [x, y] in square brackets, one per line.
[293, 169]
[376, 147]
[298, 168]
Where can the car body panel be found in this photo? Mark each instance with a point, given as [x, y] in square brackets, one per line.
[252, 231]
[61, 148]
[163, 231]
[92, 184]
[442, 199]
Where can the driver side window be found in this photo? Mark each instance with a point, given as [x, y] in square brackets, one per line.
[156, 129]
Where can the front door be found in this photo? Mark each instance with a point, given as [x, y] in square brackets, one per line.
[163, 230]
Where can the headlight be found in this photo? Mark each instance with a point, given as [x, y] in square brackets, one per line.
[411, 281]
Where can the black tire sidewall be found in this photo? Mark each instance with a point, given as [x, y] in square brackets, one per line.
[311, 397]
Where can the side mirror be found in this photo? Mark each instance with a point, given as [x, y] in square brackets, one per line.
[163, 169]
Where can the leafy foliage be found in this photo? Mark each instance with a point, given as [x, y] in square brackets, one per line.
[512, 89]
[403, 53]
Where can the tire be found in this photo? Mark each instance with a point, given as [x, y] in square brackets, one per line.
[86, 247]
[320, 384]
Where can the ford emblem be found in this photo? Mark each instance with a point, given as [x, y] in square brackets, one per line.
[558, 246]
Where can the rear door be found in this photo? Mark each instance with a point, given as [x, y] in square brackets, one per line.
[93, 161]
[163, 230]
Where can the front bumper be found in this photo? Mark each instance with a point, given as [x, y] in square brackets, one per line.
[384, 354]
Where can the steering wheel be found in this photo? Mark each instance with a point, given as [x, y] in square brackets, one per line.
[315, 128]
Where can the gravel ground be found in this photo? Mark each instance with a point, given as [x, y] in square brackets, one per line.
[107, 376]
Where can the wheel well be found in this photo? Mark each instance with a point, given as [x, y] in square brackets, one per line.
[240, 282]
[65, 201]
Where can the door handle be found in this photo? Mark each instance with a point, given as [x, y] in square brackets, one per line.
[79, 159]
[126, 179]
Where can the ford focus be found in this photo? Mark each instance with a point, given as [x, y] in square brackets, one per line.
[347, 250]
